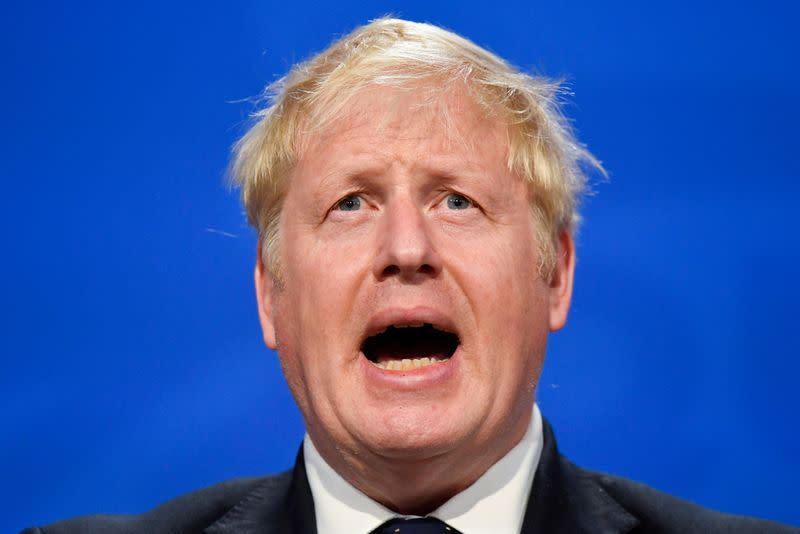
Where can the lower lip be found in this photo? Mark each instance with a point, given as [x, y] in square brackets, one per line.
[413, 379]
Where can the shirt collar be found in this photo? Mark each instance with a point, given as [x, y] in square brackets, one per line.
[494, 503]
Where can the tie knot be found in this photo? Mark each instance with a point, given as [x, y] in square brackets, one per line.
[417, 525]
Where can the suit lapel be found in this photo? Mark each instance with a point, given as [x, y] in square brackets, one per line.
[301, 502]
[565, 499]
[280, 505]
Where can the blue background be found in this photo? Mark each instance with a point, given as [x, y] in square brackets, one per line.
[133, 368]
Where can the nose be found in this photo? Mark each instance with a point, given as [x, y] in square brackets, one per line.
[406, 249]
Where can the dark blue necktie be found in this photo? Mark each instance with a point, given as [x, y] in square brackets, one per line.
[417, 525]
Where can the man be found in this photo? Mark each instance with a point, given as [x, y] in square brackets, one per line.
[415, 200]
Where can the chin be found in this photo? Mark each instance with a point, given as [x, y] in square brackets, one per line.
[415, 430]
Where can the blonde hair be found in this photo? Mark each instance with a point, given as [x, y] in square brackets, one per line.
[392, 52]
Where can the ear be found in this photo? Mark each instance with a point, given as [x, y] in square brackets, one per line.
[265, 289]
[561, 281]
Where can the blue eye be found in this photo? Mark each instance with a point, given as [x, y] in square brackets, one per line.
[458, 202]
[349, 203]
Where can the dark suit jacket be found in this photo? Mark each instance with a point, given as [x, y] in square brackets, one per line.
[564, 499]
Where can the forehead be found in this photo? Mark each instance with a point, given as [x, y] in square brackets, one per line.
[415, 125]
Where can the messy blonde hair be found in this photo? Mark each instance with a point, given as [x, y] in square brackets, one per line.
[542, 148]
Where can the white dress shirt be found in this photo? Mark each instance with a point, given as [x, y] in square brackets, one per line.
[494, 503]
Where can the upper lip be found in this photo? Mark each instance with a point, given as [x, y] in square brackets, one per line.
[406, 316]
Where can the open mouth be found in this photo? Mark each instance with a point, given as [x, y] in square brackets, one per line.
[408, 347]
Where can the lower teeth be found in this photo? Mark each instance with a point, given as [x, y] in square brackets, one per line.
[407, 364]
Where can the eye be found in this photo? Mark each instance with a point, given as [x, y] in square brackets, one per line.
[349, 203]
[458, 202]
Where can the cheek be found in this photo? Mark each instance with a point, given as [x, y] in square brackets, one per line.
[289, 356]
[328, 285]
[506, 294]
[308, 350]
[324, 257]
[504, 271]
[321, 275]
[321, 290]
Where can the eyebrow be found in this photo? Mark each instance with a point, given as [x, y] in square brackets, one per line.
[349, 175]
[361, 170]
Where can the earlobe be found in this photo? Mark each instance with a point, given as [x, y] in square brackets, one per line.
[265, 287]
[561, 281]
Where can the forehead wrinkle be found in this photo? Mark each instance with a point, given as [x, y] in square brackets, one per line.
[417, 131]
[390, 110]
[469, 162]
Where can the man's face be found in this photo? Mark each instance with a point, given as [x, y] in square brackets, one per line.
[397, 217]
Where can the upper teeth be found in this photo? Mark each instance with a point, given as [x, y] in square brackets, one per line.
[406, 325]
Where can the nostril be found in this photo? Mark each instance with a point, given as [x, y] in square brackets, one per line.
[426, 269]
[391, 270]
[394, 270]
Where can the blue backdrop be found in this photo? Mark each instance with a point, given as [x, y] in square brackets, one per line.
[133, 368]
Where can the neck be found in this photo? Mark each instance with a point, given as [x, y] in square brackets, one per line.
[410, 485]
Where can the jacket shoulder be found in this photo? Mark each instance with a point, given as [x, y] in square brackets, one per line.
[660, 512]
[186, 514]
